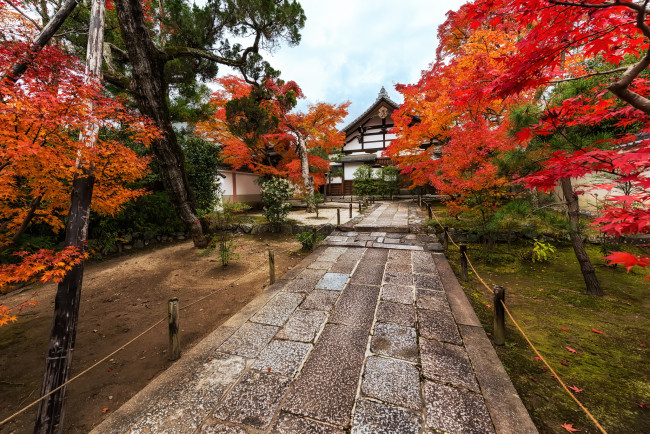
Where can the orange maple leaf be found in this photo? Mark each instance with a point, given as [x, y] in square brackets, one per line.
[597, 331]
[575, 389]
[569, 427]
[571, 350]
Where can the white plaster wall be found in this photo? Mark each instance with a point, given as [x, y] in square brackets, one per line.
[349, 169]
[337, 180]
[391, 137]
[246, 183]
[352, 145]
[226, 183]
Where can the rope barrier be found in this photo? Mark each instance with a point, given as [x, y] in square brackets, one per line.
[91, 367]
[557, 377]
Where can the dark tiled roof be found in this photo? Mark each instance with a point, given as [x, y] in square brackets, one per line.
[383, 96]
[358, 157]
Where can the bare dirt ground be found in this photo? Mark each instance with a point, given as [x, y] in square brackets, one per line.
[122, 296]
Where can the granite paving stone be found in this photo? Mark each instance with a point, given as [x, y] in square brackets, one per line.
[321, 265]
[254, 400]
[282, 357]
[320, 300]
[300, 285]
[439, 325]
[431, 300]
[393, 278]
[187, 405]
[278, 309]
[447, 363]
[392, 381]
[249, 340]
[397, 294]
[347, 261]
[395, 341]
[331, 254]
[333, 281]
[292, 424]
[303, 325]
[428, 281]
[375, 256]
[377, 418]
[396, 313]
[215, 426]
[356, 307]
[310, 274]
[337, 359]
[397, 267]
[455, 411]
[423, 263]
[368, 273]
[394, 235]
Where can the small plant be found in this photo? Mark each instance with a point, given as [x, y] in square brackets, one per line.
[276, 193]
[542, 251]
[309, 239]
[223, 221]
[227, 251]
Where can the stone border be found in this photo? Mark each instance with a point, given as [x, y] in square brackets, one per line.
[504, 404]
[131, 411]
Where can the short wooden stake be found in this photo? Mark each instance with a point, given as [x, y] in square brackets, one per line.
[499, 315]
[430, 212]
[314, 238]
[350, 210]
[445, 238]
[271, 267]
[174, 339]
[338, 216]
[420, 200]
[359, 206]
[463, 262]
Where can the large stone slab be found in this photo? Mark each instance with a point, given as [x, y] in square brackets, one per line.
[254, 400]
[215, 426]
[438, 325]
[249, 340]
[463, 312]
[356, 307]
[432, 300]
[423, 263]
[368, 273]
[376, 418]
[331, 254]
[395, 341]
[333, 281]
[303, 326]
[300, 285]
[347, 261]
[396, 313]
[392, 381]
[455, 411]
[189, 403]
[447, 363]
[278, 309]
[310, 274]
[336, 359]
[282, 357]
[402, 257]
[399, 278]
[428, 281]
[398, 294]
[320, 300]
[292, 424]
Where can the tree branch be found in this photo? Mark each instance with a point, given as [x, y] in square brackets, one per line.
[176, 52]
[119, 80]
[593, 74]
[24, 15]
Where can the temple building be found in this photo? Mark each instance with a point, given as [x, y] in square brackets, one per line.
[366, 138]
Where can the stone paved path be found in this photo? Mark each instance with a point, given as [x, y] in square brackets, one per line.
[370, 334]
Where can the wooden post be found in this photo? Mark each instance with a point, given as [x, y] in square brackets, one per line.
[359, 206]
[430, 212]
[499, 315]
[463, 262]
[174, 339]
[272, 266]
[420, 200]
[338, 216]
[351, 210]
[445, 239]
[314, 238]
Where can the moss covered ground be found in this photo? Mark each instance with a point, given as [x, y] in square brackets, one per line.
[548, 300]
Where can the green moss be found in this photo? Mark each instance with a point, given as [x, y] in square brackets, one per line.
[612, 368]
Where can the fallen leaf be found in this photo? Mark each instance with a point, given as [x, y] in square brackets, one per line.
[562, 362]
[269, 369]
[644, 406]
[110, 369]
[534, 379]
[105, 410]
[488, 306]
[643, 345]
[597, 331]
[566, 330]
[575, 389]
[571, 350]
[569, 427]
[538, 359]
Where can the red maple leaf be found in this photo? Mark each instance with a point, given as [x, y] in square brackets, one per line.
[575, 389]
[538, 359]
[569, 427]
[562, 362]
[571, 350]
[565, 329]
[597, 331]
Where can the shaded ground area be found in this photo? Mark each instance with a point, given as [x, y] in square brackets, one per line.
[376, 338]
[122, 296]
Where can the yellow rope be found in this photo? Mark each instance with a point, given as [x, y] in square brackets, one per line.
[123, 346]
[557, 377]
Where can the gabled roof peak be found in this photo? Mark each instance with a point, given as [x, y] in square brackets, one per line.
[382, 93]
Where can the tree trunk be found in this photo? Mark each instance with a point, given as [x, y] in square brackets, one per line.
[151, 96]
[308, 181]
[573, 210]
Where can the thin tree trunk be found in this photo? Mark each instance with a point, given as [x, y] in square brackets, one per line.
[151, 95]
[307, 180]
[573, 210]
[66, 304]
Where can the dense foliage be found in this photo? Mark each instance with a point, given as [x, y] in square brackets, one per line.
[276, 193]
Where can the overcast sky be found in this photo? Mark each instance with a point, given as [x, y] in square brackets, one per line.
[351, 48]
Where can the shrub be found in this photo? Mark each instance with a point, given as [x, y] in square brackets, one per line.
[364, 181]
[309, 239]
[276, 193]
[542, 251]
